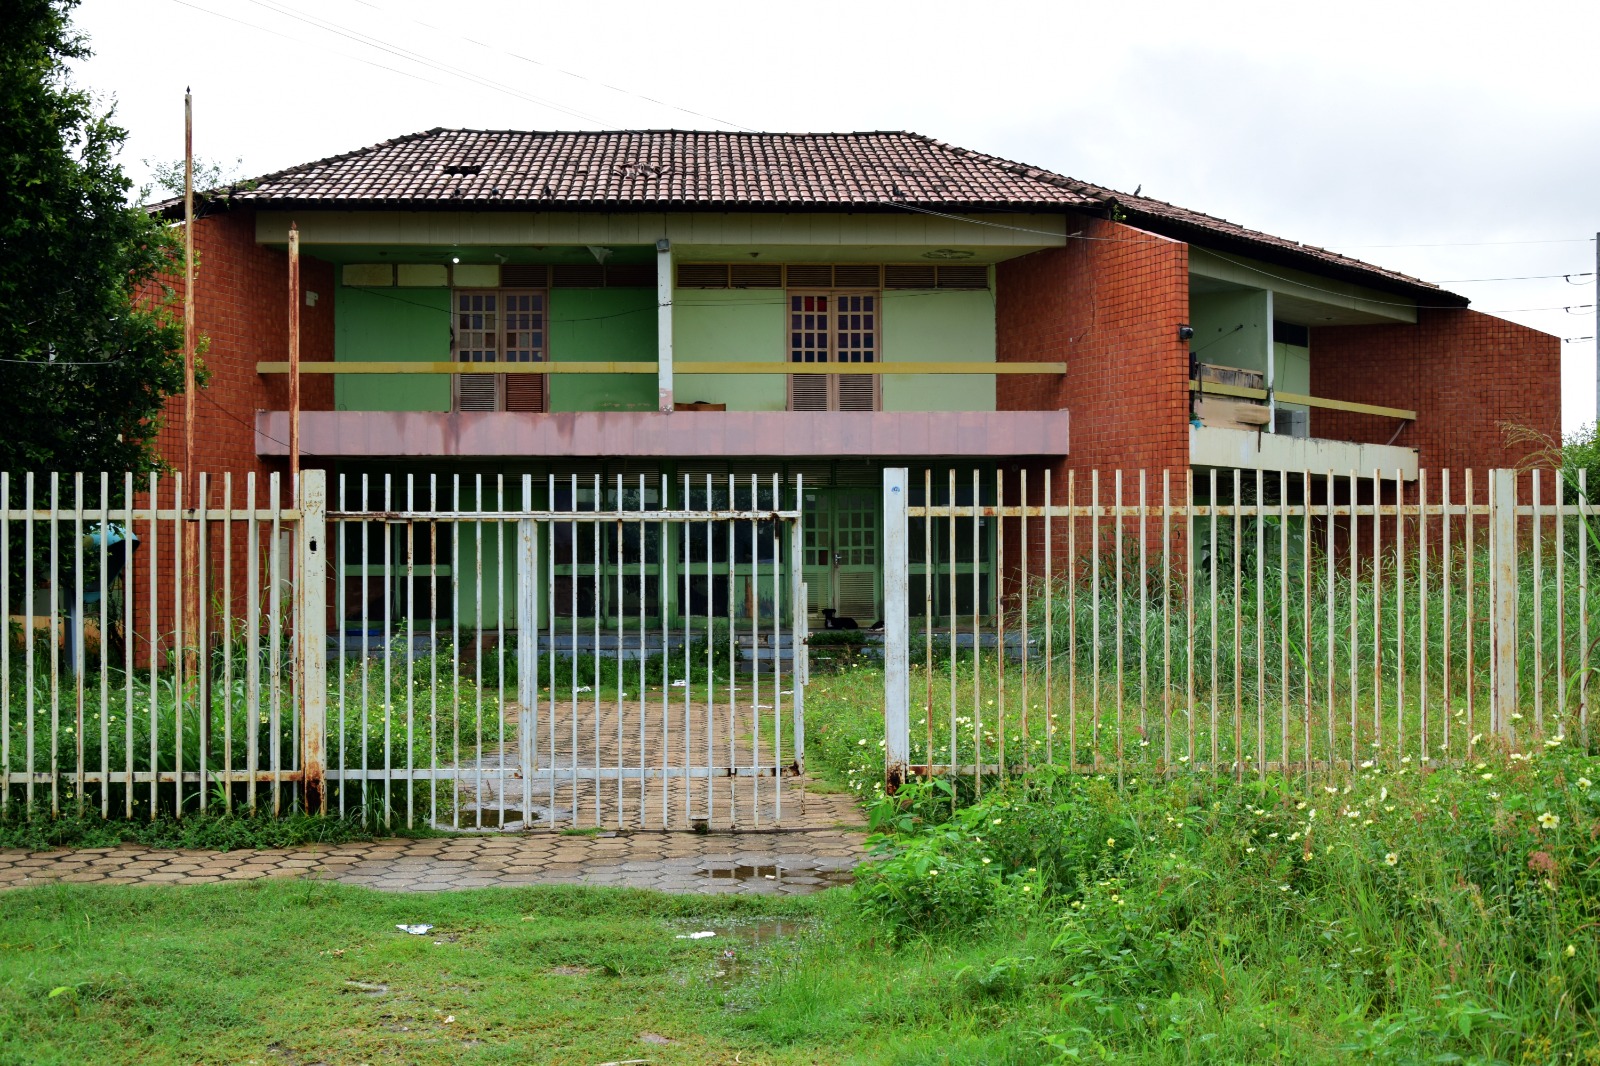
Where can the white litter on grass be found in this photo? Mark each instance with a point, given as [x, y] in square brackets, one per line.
[696, 936]
[414, 930]
[787, 692]
[583, 688]
[680, 683]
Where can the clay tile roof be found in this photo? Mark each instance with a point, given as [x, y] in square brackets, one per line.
[682, 169]
[662, 168]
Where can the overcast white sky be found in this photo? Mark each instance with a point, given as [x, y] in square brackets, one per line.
[1450, 140]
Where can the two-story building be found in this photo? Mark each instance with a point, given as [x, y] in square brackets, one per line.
[665, 309]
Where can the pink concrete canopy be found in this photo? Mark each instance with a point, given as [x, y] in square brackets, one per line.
[697, 434]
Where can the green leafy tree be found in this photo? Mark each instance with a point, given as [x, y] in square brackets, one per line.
[89, 344]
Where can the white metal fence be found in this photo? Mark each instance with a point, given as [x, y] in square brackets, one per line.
[1239, 623]
[462, 651]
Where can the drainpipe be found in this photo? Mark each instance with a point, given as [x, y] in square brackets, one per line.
[1272, 371]
[664, 323]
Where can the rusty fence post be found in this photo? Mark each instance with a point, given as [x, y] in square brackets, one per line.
[1503, 600]
[896, 631]
[311, 645]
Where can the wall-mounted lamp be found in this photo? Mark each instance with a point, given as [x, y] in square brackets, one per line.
[455, 259]
[1185, 332]
[663, 245]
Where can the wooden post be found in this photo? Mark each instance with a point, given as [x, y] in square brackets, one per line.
[294, 362]
[189, 623]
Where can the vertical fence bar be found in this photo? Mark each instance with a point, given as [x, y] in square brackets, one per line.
[711, 660]
[1423, 629]
[777, 661]
[1166, 620]
[950, 527]
[1049, 624]
[572, 658]
[928, 577]
[1094, 608]
[1027, 738]
[528, 649]
[76, 635]
[179, 648]
[1329, 489]
[364, 529]
[686, 609]
[408, 625]
[1585, 515]
[1446, 574]
[1283, 622]
[30, 640]
[1237, 551]
[341, 548]
[275, 651]
[1377, 614]
[105, 596]
[977, 640]
[797, 636]
[1261, 615]
[1399, 617]
[312, 644]
[1121, 621]
[1072, 619]
[54, 571]
[1355, 588]
[755, 649]
[1211, 508]
[388, 649]
[1144, 615]
[252, 619]
[666, 652]
[202, 636]
[433, 668]
[1503, 593]
[456, 526]
[1537, 536]
[1188, 618]
[1471, 679]
[598, 601]
[640, 525]
[1560, 517]
[155, 651]
[1000, 614]
[896, 632]
[550, 597]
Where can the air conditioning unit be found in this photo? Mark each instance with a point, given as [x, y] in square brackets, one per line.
[1288, 422]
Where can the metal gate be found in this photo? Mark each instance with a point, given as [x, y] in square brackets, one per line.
[593, 653]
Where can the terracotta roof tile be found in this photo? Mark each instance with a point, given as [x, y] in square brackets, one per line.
[657, 169]
[661, 168]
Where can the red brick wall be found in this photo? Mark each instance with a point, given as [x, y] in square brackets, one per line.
[1109, 307]
[242, 314]
[1463, 372]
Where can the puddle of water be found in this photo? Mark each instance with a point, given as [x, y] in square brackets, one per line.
[815, 880]
[571, 971]
[731, 964]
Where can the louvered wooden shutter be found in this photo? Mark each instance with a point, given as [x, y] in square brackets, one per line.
[702, 275]
[755, 275]
[914, 276]
[808, 392]
[858, 392]
[477, 392]
[972, 276]
[856, 276]
[810, 276]
[526, 392]
[578, 275]
[525, 275]
[855, 340]
[631, 276]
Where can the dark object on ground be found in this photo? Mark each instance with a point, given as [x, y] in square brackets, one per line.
[831, 620]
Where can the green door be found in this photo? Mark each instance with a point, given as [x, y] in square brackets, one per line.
[841, 565]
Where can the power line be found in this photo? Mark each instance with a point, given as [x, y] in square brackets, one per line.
[302, 40]
[1523, 277]
[563, 70]
[1478, 244]
[417, 57]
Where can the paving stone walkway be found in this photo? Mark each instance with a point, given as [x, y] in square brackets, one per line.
[784, 862]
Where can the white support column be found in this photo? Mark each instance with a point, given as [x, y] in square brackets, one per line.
[528, 631]
[896, 631]
[311, 645]
[1503, 598]
[664, 323]
[1272, 371]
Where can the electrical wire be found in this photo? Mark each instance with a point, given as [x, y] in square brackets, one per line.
[563, 70]
[302, 40]
[1524, 277]
[247, 425]
[408, 55]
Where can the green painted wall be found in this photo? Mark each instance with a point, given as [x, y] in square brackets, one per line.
[391, 324]
[588, 325]
[1216, 316]
[938, 326]
[733, 325]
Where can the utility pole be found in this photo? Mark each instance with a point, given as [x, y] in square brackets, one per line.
[294, 363]
[191, 595]
[1597, 331]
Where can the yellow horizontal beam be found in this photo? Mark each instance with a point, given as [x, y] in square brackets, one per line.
[1243, 393]
[644, 367]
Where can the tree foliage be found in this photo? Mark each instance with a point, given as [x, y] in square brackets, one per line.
[89, 344]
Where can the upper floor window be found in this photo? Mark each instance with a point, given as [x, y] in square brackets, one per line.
[499, 326]
[836, 329]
